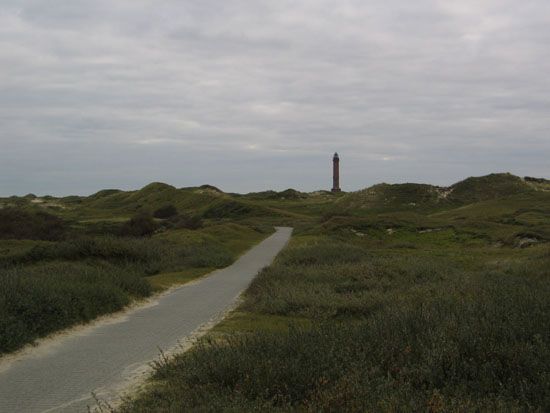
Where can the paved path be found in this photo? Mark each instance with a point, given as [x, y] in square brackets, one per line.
[63, 377]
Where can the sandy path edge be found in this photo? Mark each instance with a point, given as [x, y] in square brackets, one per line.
[47, 344]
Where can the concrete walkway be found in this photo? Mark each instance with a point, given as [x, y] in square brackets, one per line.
[63, 376]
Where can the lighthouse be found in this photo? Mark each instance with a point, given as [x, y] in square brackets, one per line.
[336, 173]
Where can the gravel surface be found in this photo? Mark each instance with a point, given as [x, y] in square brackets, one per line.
[62, 376]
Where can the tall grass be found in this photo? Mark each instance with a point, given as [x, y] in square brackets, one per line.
[56, 285]
[152, 254]
[389, 333]
[37, 300]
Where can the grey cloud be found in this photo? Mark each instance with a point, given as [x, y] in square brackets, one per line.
[249, 95]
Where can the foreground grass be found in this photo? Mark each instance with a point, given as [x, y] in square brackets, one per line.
[48, 286]
[37, 300]
[334, 326]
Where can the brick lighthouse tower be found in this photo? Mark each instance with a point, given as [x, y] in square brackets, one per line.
[336, 173]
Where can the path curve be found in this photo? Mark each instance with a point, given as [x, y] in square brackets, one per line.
[63, 377]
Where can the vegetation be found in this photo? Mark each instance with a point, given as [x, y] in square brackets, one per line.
[373, 331]
[488, 187]
[140, 225]
[56, 272]
[400, 297]
[37, 300]
[166, 211]
[16, 223]
[384, 310]
[45, 287]
[421, 197]
[181, 221]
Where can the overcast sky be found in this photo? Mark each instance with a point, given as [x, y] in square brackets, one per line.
[258, 94]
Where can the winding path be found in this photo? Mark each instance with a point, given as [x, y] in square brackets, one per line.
[103, 357]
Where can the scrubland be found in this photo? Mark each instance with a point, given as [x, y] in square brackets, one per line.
[396, 298]
[393, 310]
[335, 326]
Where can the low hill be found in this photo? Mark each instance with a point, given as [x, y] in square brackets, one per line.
[383, 197]
[151, 196]
[210, 202]
[104, 192]
[211, 188]
[290, 193]
[206, 200]
[485, 188]
[426, 198]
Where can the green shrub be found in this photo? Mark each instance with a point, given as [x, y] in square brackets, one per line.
[140, 225]
[208, 256]
[227, 209]
[184, 221]
[150, 254]
[117, 250]
[166, 211]
[16, 223]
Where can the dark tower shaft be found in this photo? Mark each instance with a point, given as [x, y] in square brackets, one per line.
[336, 173]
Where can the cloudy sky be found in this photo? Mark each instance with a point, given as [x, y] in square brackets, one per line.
[258, 94]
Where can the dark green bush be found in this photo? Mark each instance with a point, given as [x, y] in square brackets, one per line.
[117, 250]
[16, 223]
[140, 225]
[208, 256]
[227, 209]
[166, 211]
[184, 221]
